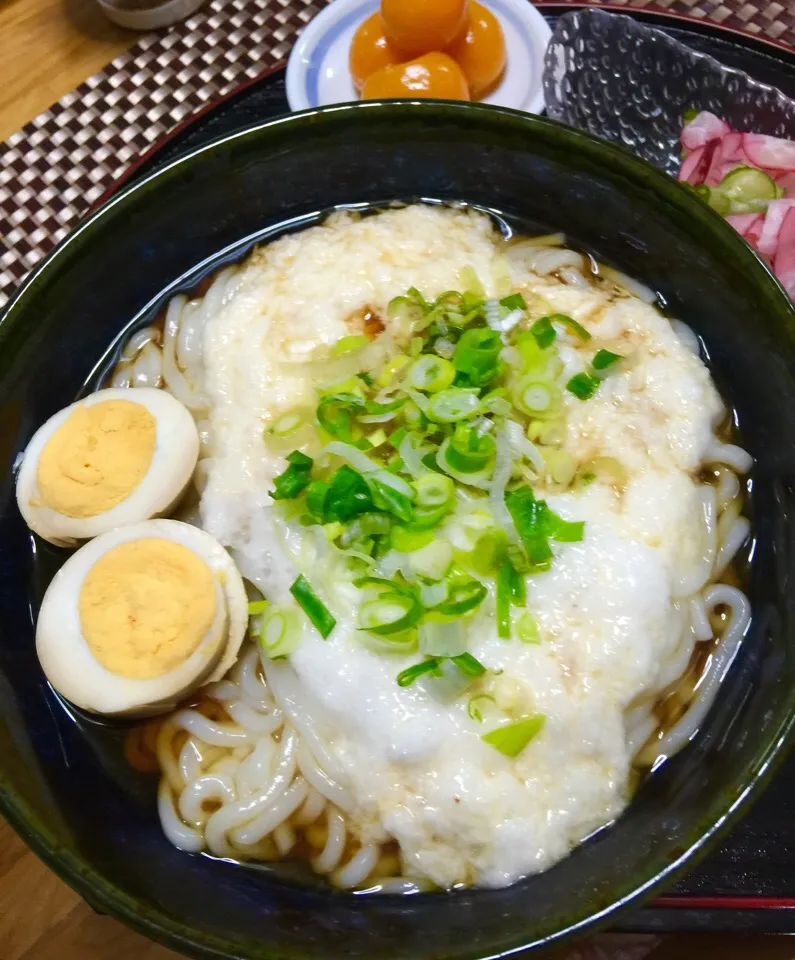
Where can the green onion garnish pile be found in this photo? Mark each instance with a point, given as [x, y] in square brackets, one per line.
[420, 474]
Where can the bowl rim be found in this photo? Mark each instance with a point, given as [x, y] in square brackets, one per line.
[157, 924]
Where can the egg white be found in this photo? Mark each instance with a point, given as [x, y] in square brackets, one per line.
[72, 669]
[174, 460]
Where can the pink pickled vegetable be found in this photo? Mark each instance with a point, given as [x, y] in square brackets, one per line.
[784, 262]
[769, 153]
[703, 128]
[750, 179]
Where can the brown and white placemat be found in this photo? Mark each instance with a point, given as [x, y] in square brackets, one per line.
[59, 164]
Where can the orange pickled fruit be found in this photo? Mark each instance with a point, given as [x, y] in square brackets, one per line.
[480, 51]
[371, 51]
[434, 75]
[421, 26]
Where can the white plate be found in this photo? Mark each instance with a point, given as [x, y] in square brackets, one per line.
[318, 74]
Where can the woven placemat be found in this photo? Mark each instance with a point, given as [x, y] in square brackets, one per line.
[59, 164]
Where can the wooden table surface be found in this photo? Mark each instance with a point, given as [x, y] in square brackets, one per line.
[48, 48]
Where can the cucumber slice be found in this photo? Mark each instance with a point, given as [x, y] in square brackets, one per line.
[743, 190]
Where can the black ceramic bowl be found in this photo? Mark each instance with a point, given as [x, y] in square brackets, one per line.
[62, 782]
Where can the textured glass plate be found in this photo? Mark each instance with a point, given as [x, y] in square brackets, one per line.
[629, 83]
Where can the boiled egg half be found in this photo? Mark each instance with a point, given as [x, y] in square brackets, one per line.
[116, 457]
[139, 617]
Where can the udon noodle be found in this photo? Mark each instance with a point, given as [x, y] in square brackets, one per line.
[253, 778]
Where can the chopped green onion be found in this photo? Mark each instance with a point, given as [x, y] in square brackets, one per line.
[431, 374]
[469, 665]
[434, 490]
[514, 301]
[538, 398]
[279, 633]
[471, 282]
[604, 359]
[445, 638]
[512, 738]
[335, 414]
[432, 561]
[564, 531]
[527, 628]
[517, 588]
[347, 496]
[349, 344]
[503, 599]
[317, 612]
[583, 385]
[455, 403]
[463, 598]
[406, 677]
[407, 541]
[407, 312]
[470, 451]
[316, 494]
[528, 518]
[366, 525]
[477, 355]
[257, 607]
[544, 332]
[295, 478]
[376, 408]
[386, 497]
[287, 423]
[395, 609]
[432, 594]
[576, 328]
[477, 704]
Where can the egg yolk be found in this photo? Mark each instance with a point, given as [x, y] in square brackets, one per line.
[480, 51]
[420, 26]
[145, 606]
[434, 75]
[96, 458]
[371, 50]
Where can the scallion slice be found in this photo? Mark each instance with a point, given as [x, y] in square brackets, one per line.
[349, 344]
[406, 677]
[477, 355]
[431, 374]
[256, 607]
[544, 332]
[393, 611]
[514, 301]
[576, 328]
[407, 541]
[335, 413]
[455, 403]
[603, 359]
[503, 599]
[527, 629]
[317, 612]
[432, 561]
[583, 385]
[538, 398]
[434, 490]
[512, 738]
[279, 633]
[463, 597]
[287, 423]
[478, 704]
[470, 451]
[295, 478]
[446, 638]
[469, 665]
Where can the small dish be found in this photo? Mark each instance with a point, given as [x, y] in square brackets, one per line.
[318, 74]
[627, 82]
